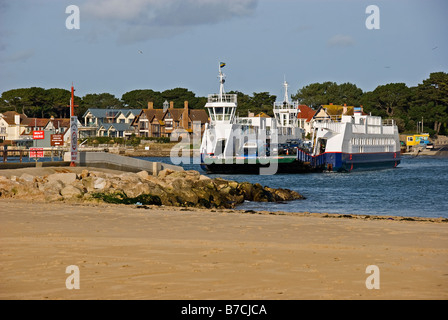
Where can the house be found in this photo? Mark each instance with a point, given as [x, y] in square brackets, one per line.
[305, 116]
[12, 124]
[127, 116]
[59, 125]
[34, 124]
[95, 118]
[115, 130]
[49, 126]
[169, 121]
[149, 122]
[335, 112]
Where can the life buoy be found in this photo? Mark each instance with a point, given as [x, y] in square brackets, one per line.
[351, 157]
[395, 155]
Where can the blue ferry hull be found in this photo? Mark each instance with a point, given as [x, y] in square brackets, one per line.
[305, 163]
[347, 162]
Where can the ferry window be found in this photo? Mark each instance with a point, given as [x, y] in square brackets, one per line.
[410, 138]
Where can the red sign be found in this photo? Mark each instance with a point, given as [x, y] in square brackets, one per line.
[38, 135]
[57, 139]
[36, 152]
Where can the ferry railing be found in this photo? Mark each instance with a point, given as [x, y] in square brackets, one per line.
[388, 122]
[232, 98]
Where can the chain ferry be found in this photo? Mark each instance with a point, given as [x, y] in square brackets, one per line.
[264, 145]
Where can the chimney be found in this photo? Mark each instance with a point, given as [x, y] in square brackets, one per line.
[185, 115]
[331, 103]
[344, 109]
[171, 104]
[150, 105]
[17, 119]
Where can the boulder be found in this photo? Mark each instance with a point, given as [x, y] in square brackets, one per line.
[134, 190]
[54, 186]
[143, 174]
[84, 174]
[99, 183]
[164, 173]
[246, 189]
[65, 178]
[27, 177]
[70, 192]
[88, 183]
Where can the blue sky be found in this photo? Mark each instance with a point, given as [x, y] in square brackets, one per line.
[182, 42]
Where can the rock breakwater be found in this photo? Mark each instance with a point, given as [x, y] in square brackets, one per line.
[169, 188]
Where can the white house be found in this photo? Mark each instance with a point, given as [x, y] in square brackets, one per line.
[12, 124]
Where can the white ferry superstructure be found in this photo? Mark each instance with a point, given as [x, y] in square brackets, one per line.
[232, 144]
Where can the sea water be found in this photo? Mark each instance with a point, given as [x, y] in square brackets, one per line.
[418, 187]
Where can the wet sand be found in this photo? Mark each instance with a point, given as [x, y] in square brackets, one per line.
[124, 252]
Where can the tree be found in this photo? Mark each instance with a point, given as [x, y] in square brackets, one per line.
[259, 102]
[15, 99]
[317, 94]
[59, 100]
[388, 100]
[179, 95]
[101, 101]
[138, 99]
[430, 103]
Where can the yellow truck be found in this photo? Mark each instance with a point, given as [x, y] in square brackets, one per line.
[417, 140]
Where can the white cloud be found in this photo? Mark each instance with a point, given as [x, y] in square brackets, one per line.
[168, 17]
[20, 56]
[341, 40]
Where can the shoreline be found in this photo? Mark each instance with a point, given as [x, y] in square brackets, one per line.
[45, 171]
[236, 210]
[125, 252]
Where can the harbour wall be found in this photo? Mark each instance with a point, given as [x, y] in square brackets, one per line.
[99, 160]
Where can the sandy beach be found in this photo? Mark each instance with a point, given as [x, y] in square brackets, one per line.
[125, 252]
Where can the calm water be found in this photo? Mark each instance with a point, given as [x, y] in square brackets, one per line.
[417, 187]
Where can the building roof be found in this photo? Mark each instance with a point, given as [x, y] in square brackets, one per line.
[198, 115]
[338, 110]
[36, 122]
[117, 126]
[175, 114]
[305, 112]
[9, 117]
[263, 115]
[104, 113]
[134, 112]
[61, 123]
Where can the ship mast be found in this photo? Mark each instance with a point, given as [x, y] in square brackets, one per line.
[286, 98]
[221, 78]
